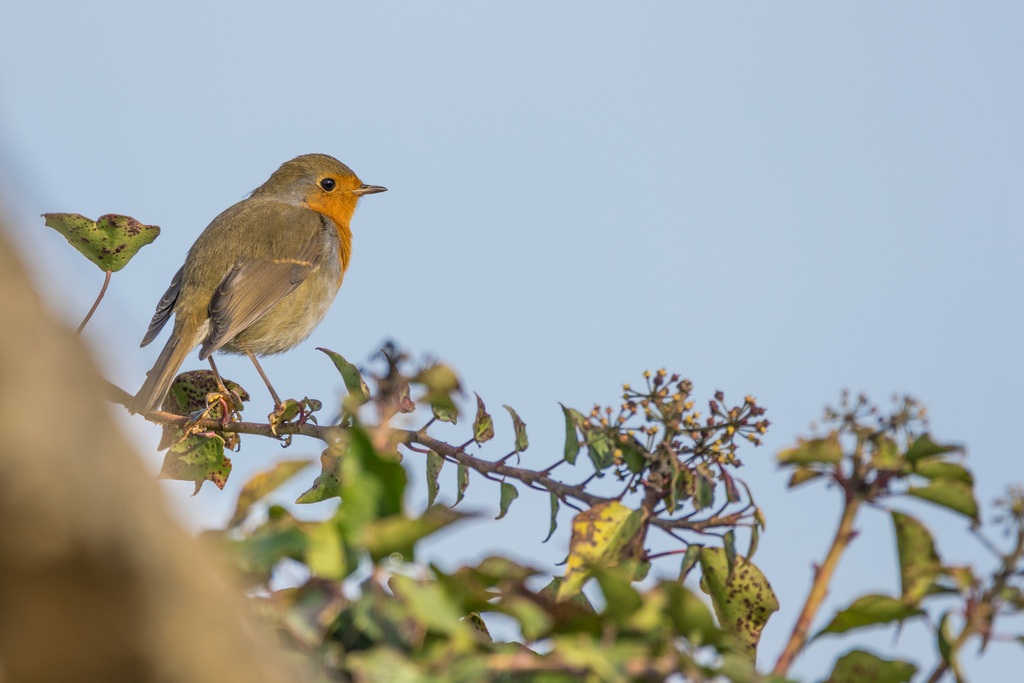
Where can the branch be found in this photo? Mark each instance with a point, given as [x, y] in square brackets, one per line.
[329, 435]
[819, 588]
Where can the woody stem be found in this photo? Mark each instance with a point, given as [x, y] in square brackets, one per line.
[819, 588]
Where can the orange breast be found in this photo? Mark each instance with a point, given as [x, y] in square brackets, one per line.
[338, 206]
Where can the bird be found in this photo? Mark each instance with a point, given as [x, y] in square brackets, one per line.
[263, 273]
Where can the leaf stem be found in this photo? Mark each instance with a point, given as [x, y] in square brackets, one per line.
[106, 281]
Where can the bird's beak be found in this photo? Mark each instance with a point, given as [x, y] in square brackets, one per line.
[368, 189]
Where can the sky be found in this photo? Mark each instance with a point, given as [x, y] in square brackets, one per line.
[784, 200]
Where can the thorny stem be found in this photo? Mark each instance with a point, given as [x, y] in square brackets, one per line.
[95, 305]
[819, 587]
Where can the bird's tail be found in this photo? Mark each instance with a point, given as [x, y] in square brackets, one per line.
[159, 379]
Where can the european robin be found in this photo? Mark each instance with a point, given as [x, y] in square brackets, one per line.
[263, 274]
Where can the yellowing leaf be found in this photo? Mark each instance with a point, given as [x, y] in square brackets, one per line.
[743, 599]
[599, 536]
[483, 425]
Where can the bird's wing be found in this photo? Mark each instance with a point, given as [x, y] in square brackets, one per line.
[163, 309]
[255, 284]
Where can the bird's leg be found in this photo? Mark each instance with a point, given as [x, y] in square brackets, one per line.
[277, 401]
[231, 400]
[216, 373]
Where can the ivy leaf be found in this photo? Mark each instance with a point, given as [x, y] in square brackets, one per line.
[522, 443]
[508, 494]
[924, 447]
[949, 493]
[572, 443]
[741, 595]
[445, 413]
[599, 536]
[690, 560]
[705, 494]
[328, 482]
[483, 425]
[358, 391]
[440, 383]
[935, 469]
[919, 563]
[434, 464]
[554, 517]
[599, 447]
[824, 450]
[463, 478]
[802, 474]
[262, 484]
[110, 241]
[399, 534]
[869, 610]
[857, 666]
[198, 458]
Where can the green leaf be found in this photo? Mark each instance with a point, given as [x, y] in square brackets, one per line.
[924, 447]
[949, 493]
[399, 534]
[522, 443]
[634, 455]
[919, 563]
[508, 494]
[277, 538]
[729, 546]
[483, 425]
[554, 517]
[328, 483]
[534, 621]
[687, 613]
[263, 483]
[690, 560]
[936, 469]
[434, 464]
[705, 495]
[445, 412]
[572, 443]
[463, 478]
[621, 599]
[599, 447]
[887, 454]
[823, 450]
[755, 539]
[371, 486]
[432, 607]
[325, 551]
[944, 639]
[110, 242]
[358, 391]
[869, 610]
[197, 458]
[743, 599]
[801, 475]
[858, 666]
[440, 383]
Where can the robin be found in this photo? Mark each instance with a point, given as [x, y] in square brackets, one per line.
[262, 275]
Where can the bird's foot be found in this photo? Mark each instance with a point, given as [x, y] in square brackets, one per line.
[292, 412]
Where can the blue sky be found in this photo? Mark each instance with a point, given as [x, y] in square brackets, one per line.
[783, 200]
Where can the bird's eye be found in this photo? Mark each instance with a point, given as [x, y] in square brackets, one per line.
[328, 184]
